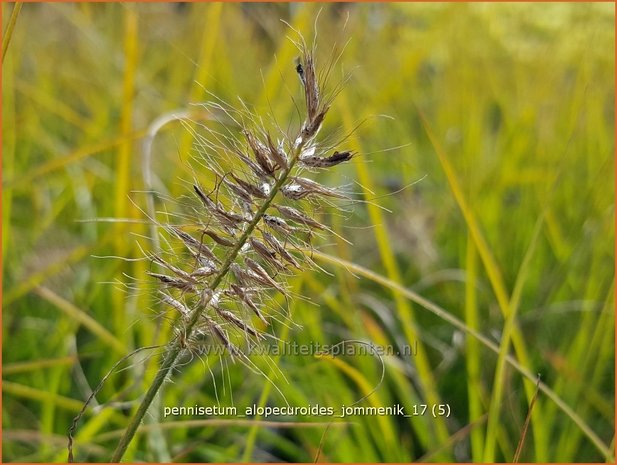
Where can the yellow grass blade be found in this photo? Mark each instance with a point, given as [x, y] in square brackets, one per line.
[27, 392]
[472, 353]
[223, 423]
[203, 68]
[50, 103]
[499, 288]
[8, 34]
[79, 154]
[405, 310]
[9, 137]
[35, 279]
[367, 389]
[36, 365]
[77, 315]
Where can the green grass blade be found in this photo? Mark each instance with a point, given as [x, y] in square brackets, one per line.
[499, 288]
[472, 354]
[6, 40]
[404, 310]
[443, 314]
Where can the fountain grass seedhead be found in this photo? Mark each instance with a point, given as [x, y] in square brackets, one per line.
[245, 234]
[255, 214]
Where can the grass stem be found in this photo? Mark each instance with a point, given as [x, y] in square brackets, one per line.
[9, 29]
[176, 347]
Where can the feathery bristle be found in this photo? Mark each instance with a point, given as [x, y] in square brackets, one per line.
[254, 244]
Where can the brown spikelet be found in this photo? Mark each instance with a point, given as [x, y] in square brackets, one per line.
[246, 299]
[252, 189]
[268, 255]
[296, 215]
[204, 198]
[311, 127]
[218, 239]
[174, 269]
[316, 109]
[228, 220]
[179, 306]
[301, 188]
[204, 271]
[194, 245]
[258, 274]
[260, 151]
[280, 248]
[255, 168]
[239, 190]
[216, 329]
[277, 155]
[233, 319]
[306, 69]
[278, 224]
[314, 161]
[316, 188]
[170, 281]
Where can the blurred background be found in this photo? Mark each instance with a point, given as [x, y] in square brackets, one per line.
[500, 115]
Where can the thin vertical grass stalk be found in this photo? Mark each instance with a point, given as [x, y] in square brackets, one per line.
[247, 238]
[9, 29]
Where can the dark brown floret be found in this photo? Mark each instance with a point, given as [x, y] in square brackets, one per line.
[260, 151]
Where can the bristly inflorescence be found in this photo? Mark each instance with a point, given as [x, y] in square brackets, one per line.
[244, 235]
[249, 229]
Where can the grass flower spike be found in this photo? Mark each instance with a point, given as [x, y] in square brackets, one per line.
[245, 233]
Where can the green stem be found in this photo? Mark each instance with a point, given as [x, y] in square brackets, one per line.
[9, 29]
[174, 351]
